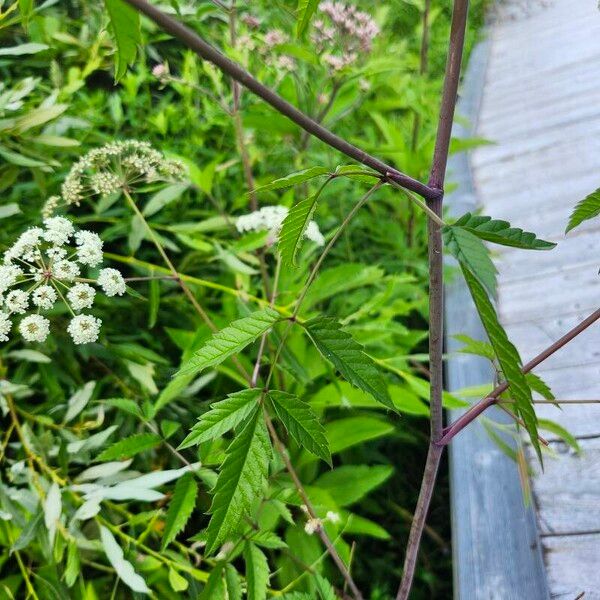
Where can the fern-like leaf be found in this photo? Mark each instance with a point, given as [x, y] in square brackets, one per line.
[500, 232]
[230, 340]
[301, 423]
[471, 251]
[508, 357]
[240, 480]
[348, 357]
[223, 416]
[587, 209]
[257, 572]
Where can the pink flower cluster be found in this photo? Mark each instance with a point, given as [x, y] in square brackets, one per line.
[345, 30]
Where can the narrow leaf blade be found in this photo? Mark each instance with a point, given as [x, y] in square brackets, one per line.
[181, 508]
[587, 209]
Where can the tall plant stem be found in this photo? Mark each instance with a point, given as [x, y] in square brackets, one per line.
[311, 511]
[492, 399]
[436, 291]
[203, 49]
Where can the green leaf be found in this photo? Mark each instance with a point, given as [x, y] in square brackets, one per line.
[293, 179]
[293, 228]
[306, 9]
[215, 586]
[347, 356]
[20, 159]
[325, 589]
[178, 582]
[345, 433]
[500, 232]
[234, 585]
[153, 302]
[508, 357]
[130, 446]
[163, 197]
[257, 572]
[268, 539]
[125, 25]
[230, 340]
[350, 483]
[476, 347]
[180, 508]
[537, 384]
[28, 48]
[587, 209]
[240, 480]
[124, 569]
[561, 432]
[469, 250]
[301, 423]
[223, 416]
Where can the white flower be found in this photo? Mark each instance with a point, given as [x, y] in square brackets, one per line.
[56, 253]
[112, 282]
[8, 276]
[26, 246]
[58, 230]
[66, 270]
[50, 206]
[89, 248]
[44, 296]
[17, 301]
[313, 525]
[84, 329]
[5, 327]
[332, 517]
[270, 218]
[35, 328]
[81, 296]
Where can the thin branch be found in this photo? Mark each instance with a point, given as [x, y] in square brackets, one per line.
[471, 414]
[436, 291]
[193, 41]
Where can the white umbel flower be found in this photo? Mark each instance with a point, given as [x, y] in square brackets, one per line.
[17, 301]
[81, 296]
[84, 329]
[66, 270]
[44, 297]
[8, 276]
[89, 248]
[270, 218]
[112, 282]
[58, 230]
[5, 327]
[35, 328]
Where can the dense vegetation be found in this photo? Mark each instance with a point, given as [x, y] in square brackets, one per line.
[94, 461]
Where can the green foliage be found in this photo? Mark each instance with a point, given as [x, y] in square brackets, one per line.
[180, 508]
[230, 340]
[257, 572]
[508, 357]
[348, 357]
[130, 446]
[586, 209]
[301, 423]
[305, 11]
[470, 251]
[500, 232]
[294, 226]
[223, 416]
[240, 480]
[125, 25]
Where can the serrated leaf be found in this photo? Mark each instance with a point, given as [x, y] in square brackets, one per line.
[240, 480]
[306, 9]
[180, 508]
[123, 568]
[469, 250]
[537, 384]
[257, 572]
[130, 446]
[223, 416]
[508, 357]
[125, 25]
[268, 539]
[325, 589]
[347, 356]
[293, 227]
[476, 347]
[230, 340]
[293, 179]
[500, 232]
[586, 209]
[301, 423]
[233, 583]
[215, 588]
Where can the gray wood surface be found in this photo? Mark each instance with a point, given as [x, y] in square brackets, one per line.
[541, 110]
[496, 550]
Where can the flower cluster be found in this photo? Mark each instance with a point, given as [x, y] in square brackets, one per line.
[272, 39]
[270, 218]
[343, 34]
[314, 524]
[115, 167]
[45, 265]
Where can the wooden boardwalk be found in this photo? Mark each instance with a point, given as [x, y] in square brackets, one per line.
[541, 107]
